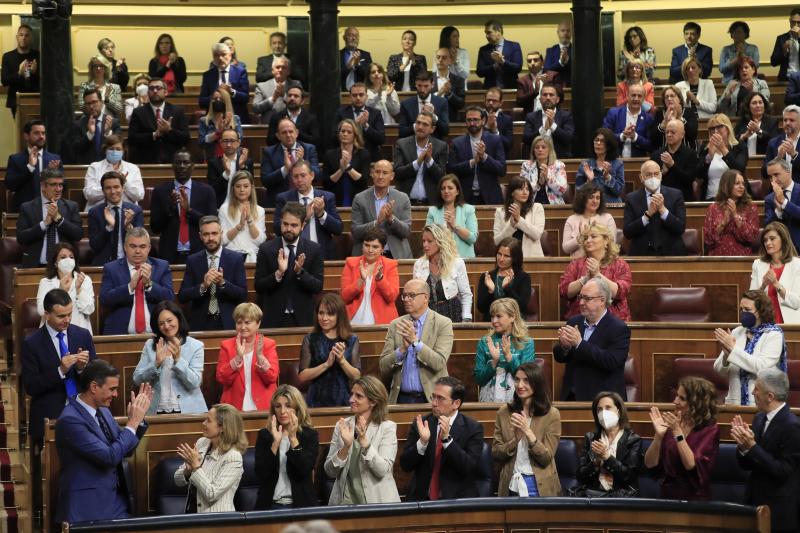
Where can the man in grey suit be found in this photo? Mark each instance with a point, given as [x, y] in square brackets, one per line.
[270, 96]
[420, 161]
[386, 208]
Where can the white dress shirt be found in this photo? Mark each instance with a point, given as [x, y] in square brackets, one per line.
[247, 402]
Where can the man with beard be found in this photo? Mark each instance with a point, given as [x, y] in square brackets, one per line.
[497, 122]
[20, 71]
[270, 95]
[479, 161]
[214, 281]
[550, 121]
[785, 144]
[289, 273]
[157, 129]
[92, 129]
[420, 161]
[425, 101]
[234, 158]
[25, 168]
[224, 76]
[529, 85]
[369, 118]
[176, 209]
[277, 161]
[305, 120]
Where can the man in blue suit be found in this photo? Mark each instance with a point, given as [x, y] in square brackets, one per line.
[558, 58]
[111, 219]
[785, 144]
[52, 357]
[703, 53]
[783, 203]
[497, 122]
[92, 447]
[786, 52]
[277, 160]
[425, 101]
[226, 77]
[133, 285]
[214, 281]
[479, 161]
[322, 220]
[550, 121]
[630, 123]
[24, 169]
[594, 346]
[499, 60]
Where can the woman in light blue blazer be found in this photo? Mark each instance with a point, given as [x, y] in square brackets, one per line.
[452, 213]
[172, 363]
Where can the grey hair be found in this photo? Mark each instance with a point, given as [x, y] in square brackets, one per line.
[137, 233]
[208, 219]
[781, 162]
[217, 48]
[603, 287]
[793, 108]
[284, 59]
[776, 381]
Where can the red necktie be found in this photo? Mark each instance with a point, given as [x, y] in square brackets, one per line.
[158, 114]
[183, 232]
[139, 305]
[433, 492]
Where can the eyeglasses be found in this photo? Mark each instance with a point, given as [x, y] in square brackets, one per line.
[439, 399]
[410, 295]
[155, 88]
[584, 298]
[229, 141]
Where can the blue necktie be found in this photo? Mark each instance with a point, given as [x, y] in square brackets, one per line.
[98, 137]
[307, 227]
[69, 379]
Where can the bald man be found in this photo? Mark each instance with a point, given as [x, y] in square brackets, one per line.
[678, 162]
[655, 216]
[630, 122]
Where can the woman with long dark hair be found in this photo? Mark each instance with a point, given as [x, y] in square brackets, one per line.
[167, 64]
[507, 279]
[63, 272]
[521, 218]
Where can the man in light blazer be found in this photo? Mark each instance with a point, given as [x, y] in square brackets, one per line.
[783, 203]
[420, 161]
[384, 207]
[479, 161]
[633, 140]
[270, 95]
[594, 346]
[416, 348]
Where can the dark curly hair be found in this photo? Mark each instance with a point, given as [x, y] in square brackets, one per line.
[701, 396]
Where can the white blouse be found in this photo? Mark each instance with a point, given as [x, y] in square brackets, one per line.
[387, 104]
[247, 402]
[364, 315]
[83, 301]
[457, 283]
[243, 242]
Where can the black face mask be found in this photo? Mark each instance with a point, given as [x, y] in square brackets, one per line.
[747, 319]
[218, 106]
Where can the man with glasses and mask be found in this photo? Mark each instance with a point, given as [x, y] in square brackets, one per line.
[234, 158]
[593, 345]
[655, 216]
[550, 121]
[443, 449]
[157, 129]
[417, 347]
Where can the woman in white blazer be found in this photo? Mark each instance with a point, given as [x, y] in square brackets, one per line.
[363, 448]
[63, 272]
[696, 91]
[445, 273]
[777, 272]
[213, 467]
[755, 345]
[521, 218]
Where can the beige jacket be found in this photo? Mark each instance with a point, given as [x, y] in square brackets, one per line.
[532, 226]
[216, 481]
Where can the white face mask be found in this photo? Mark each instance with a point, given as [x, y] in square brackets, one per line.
[66, 265]
[652, 184]
[608, 419]
[141, 89]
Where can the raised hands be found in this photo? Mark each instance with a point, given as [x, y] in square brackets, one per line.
[742, 434]
[191, 457]
[522, 428]
[494, 351]
[139, 404]
[660, 426]
[423, 430]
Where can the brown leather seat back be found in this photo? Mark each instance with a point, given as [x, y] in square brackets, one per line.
[532, 309]
[681, 304]
[794, 383]
[631, 380]
[702, 368]
[691, 240]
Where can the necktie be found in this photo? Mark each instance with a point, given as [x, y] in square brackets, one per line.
[52, 234]
[183, 231]
[291, 156]
[307, 227]
[116, 237]
[213, 304]
[290, 269]
[104, 427]
[138, 305]
[69, 380]
[98, 136]
[158, 114]
[433, 492]
[224, 75]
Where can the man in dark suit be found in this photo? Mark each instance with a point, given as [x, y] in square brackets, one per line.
[355, 62]
[221, 170]
[678, 161]
[133, 285]
[289, 272]
[771, 450]
[792, 88]
[630, 123]
[479, 161]
[550, 121]
[24, 168]
[305, 120]
[655, 216]
[499, 60]
[52, 357]
[369, 118]
[787, 48]
[420, 162]
[91, 447]
[177, 207]
[322, 221]
[783, 203]
[225, 76]
[20, 72]
[157, 129]
[425, 101]
[92, 129]
[497, 122]
[277, 43]
[47, 220]
[443, 449]
[703, 53]
[111, 219]
[785, 145]
[529, 85]
[449, 85]
[214, 281]
[277, 161]
[558, 58]
[594, 346]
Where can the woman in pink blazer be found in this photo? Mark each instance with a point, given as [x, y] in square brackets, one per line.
[372, 274]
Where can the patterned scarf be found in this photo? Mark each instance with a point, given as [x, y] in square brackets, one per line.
[744, 376]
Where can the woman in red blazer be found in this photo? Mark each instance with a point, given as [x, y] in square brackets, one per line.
[375, 274]
[248, 363]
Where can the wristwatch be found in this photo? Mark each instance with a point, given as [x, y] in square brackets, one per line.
[448, 440]
[680, 438]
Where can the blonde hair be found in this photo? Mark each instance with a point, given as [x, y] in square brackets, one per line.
[228, 106]
[296, 402]
[635, 61]
[448, 252]
[232, 433]
[233, 202]
[249, 310]
[551, 155]
[107, 73]
[612, 249]
[509, 306]
[723, 120]
[358, 136]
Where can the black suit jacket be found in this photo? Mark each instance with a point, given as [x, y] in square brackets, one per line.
[458, 92]
[215, 177]
[624, 466]
[598, 364]
[562, 136]
[405, 154]
[360, 161]
[15, 82]
[229, 295]
[83, 149]
[300, 463]
[325, 232]
[773, 464]
[22, 182]
[778, 58]
[307, 127]
[409, 109]
[659, 237]
[681, 175]
[769, 129]
[101, 240]
[145, 149]
[459, 460]
[361, 70]
[300, 288]
[374, 135]
[31, 235]
[164, 219]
